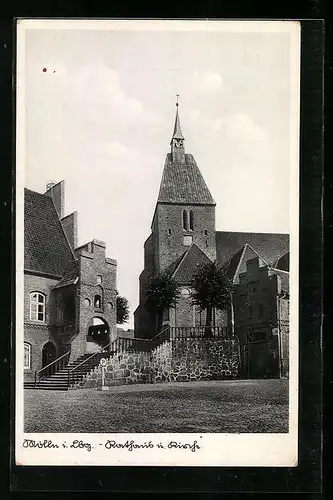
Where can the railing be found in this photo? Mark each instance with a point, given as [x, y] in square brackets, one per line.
[52, 367]
[203, 332]
[71, 375]
[161, 337]
[125, 344]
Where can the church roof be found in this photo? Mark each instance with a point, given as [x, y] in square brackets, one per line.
[46, 248]
[183, 183]
[269, 246]
[189, 264]
[177, 131]
[282, 262]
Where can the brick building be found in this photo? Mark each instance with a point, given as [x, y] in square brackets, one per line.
[184, 237]
[261, 312]
[69, 291]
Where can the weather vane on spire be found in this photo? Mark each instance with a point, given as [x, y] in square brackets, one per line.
[177, 104]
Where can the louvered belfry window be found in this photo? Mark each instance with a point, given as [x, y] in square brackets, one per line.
[185, 220]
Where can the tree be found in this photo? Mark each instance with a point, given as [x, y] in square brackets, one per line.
[161, 293]
[211, 288]
[122, 310]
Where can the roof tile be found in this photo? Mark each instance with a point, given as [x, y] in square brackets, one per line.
[183, 183]
[46, 249]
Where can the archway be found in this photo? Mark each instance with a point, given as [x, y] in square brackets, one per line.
[98, 334]
[49, 353]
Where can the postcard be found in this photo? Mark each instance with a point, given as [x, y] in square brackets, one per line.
[157, 217]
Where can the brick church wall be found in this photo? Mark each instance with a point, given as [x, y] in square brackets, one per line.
[176, 361]
[169, 247]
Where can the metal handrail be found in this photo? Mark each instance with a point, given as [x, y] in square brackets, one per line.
[162, 331]
[87, 359]
[52, 362]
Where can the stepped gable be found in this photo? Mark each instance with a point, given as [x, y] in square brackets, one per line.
[269, 246]
[46, 248]
[284, 275]
[183, 183]
[71, 275]
[190, 264]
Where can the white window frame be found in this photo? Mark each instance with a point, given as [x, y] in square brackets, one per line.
[34, 306]
[28, 346]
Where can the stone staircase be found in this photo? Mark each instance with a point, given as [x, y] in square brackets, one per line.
[68, 375]
[60, 380]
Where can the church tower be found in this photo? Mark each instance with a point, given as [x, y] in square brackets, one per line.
[185, 209]
[183, 226]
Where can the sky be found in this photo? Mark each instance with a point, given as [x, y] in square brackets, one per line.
[99, 114]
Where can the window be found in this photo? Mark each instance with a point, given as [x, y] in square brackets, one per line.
[185, 293]
[187, 241]
[250, 311]
[185, 220]
[191, 221]
[37, 306]
[99, 278]
[169, 231]
[206, 232]
[27, 355]
[97, 302]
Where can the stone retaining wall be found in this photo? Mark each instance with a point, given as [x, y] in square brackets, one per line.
[176, 361]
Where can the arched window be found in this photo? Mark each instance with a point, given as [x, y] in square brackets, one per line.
[191, 221]
[37, 306]
[27, 355]
[98, 302]
[185, 220]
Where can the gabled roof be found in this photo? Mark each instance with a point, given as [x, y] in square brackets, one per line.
[269, 246]
[189, 264]
[46, 248]
[237, 264]
[183, 183]
[71, 275]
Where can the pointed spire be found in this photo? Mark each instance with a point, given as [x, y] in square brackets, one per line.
[177, 131]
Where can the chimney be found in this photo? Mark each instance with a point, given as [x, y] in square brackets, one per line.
[57, 193]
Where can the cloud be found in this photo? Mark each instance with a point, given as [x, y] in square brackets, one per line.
[233, 126]
[208, 81]
[242, 125]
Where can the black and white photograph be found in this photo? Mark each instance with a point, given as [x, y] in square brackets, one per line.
[157, 221]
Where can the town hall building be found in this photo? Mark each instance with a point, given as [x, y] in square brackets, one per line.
[69, 291]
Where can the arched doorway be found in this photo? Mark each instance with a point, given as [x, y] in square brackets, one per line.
[98, 334]
[49, 353]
